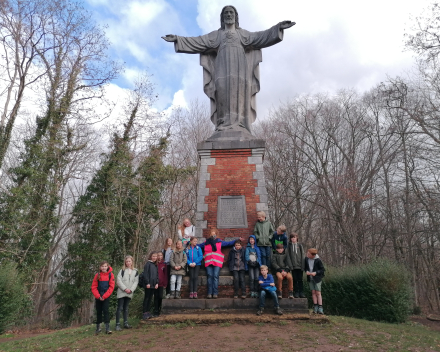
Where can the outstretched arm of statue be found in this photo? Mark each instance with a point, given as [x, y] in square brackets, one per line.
[170, 38]
[285, 24]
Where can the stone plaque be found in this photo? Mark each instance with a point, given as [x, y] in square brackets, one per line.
[231, 212]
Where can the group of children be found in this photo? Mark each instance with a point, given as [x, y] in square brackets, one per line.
[165, 270]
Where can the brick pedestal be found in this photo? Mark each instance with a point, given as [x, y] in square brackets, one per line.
[233, 168]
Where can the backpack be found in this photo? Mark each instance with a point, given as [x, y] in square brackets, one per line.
[141, 282]
[122, 273]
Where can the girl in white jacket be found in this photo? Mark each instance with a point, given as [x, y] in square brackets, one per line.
[127, 281]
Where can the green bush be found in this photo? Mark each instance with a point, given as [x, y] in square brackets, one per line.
[378, 291]
[15, 304]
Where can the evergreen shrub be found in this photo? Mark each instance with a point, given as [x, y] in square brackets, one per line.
[377, 291]
[15, 304]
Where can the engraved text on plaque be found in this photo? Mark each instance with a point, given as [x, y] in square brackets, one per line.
[231, 212]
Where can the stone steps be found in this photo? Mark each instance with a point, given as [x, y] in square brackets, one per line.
[190, 306]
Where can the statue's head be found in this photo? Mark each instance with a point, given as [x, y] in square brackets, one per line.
[229, 15]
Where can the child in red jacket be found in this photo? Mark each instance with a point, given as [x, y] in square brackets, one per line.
[102, 288]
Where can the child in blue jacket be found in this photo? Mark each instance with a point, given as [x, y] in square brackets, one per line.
[194, 257]
[267, 285]
[253, 262]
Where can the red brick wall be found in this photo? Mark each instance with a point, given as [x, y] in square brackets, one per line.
[231, 176]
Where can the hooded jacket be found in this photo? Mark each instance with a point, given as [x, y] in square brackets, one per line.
[162, 274]
[318, 268]
[105, 285]
[129, 281]
[278, 239]
[194, 254]
[250, 250]
[280, 262]
[150, 274]
[299, 254]
[263, 232]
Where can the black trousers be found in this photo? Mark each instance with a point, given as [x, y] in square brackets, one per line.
[193, 278]
[149, 294]
[102, 309]
[158, 300]
[168, 288]
[122, 305]
[297, 280]
[239, 282]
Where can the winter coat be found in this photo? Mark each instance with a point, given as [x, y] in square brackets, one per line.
[318, 267]
[280, 262]
[263, 232]
[125, 281]
[291, 255]
[178, 258]
[194, 255]
[162, 273]
[150, 274]
[231, 258]
[279, 239]
[249, 250]
[105, 286]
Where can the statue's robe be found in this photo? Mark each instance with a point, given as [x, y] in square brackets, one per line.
[231, 77]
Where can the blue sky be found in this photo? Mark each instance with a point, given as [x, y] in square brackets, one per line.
[335, 44]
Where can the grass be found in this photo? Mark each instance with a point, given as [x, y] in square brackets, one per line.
[341, 332]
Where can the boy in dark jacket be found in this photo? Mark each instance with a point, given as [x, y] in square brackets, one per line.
[237, 264]
[279, 236]
[296, 256]
[315, 273]
[151, 281]
[280, 264]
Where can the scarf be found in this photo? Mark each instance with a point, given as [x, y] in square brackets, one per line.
[212, 241]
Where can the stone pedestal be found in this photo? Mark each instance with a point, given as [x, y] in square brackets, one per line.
[231, 175]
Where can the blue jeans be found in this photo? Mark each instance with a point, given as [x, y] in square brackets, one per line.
[266, 252]
[213, 273]
[272, 294]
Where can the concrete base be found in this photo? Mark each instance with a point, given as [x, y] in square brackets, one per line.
[179, 306]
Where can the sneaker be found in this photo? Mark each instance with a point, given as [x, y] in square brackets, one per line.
[290, 294]
[168, 296]
[209, 296]
[146, 316]
[296, 295]
[107, 329]
[279, 294]
[278, 311]
[260, 311]
[315, 309]
[252, 294]
[118, 327]
[302, 295]
[235, 296]
[98, 329]
[320, 310]
[195, 295]
[126, 326]
[214, 296]
[191, 295]
[243, 296]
